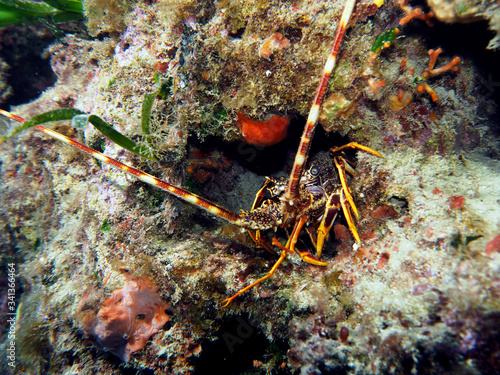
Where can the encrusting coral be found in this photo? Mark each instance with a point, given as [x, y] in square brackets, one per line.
[127, 319]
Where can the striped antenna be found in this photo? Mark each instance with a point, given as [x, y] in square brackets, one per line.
[305, 142]
[145, 177]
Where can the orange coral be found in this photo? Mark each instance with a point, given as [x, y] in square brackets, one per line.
[128, 318]
[425, 87]
[431, 72]
[411, 13]
[273, 43]
[375, 84]
[265, 133]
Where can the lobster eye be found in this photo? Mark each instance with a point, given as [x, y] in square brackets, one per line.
[314, 171]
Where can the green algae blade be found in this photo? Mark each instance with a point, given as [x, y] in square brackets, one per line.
[56, 115]
[147, 105]
[8, 17]
[57, 11]
[61, 17]
[67, 5]
[27, 8]
[79, 116]
[107, 130]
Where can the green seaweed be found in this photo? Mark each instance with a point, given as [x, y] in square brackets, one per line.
[52, 11]
[221, 115]
[57, 115]
[112, 81]
[36, 245]
[104, 127]
[456, 240]
[107, 130]
[165, 88]
[67, 5]
[147, 105]
[105, 226]
[98, 144]
[383, 38]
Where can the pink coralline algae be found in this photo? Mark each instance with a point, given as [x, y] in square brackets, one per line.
[493, 246]
[274, 42]
[128, 318]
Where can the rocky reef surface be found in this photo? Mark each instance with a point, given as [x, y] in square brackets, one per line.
[114, 276]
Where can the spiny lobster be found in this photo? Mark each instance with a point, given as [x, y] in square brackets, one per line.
[310, 199]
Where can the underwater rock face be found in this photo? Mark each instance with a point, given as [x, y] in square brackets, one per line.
[420, 294]
[128, 318]
[466, 11]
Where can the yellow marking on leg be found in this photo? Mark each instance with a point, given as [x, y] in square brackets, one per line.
[348, 218]
[324, 229]
[343, 180]
[292, 240]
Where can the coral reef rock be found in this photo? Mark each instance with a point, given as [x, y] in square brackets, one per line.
[419, 295]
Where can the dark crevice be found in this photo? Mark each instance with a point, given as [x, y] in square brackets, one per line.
[238, 345]
[30, 73]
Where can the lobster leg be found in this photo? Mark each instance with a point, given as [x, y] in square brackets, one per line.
[261, 194]
[348, 217]
[312, 234]
[356, 146]
[340, 163]
[259, 241]
[292, 240]
[283, 255]
[331, 211]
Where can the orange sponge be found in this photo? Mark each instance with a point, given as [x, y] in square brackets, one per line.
[265, 133]
[128, 318]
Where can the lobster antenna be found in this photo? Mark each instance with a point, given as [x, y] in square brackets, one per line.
[305, 141]
[145, 177]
